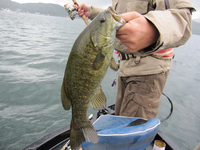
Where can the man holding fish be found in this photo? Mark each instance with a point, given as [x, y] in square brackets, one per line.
[145, 45]
[144, 33]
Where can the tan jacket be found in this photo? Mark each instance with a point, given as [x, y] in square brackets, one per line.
[174, 26]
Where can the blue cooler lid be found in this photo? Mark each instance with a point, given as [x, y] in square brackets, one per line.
[123, 133]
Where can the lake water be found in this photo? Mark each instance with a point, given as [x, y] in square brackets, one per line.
[33, 55]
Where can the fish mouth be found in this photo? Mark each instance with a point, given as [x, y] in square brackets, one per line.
[117, 17]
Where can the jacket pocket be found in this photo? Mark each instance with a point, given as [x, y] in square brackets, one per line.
[140, 7]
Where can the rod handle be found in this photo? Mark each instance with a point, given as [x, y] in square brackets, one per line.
[83, 17]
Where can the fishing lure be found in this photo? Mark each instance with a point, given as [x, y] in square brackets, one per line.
[114, 83]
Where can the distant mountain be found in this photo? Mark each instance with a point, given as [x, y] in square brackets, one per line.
[55, 10]
[42, 8]
[195, 28]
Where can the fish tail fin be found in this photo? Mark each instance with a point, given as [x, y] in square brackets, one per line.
[84, 134]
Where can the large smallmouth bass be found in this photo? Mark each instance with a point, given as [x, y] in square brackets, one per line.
[87, 65]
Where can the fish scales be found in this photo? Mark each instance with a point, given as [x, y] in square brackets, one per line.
[87, 65]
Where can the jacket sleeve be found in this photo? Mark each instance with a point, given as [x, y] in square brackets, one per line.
[174, 24]
[94, 11]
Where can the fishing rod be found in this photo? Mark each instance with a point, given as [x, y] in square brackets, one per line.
[72, 11]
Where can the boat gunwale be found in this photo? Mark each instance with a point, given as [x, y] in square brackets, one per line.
[61, 136]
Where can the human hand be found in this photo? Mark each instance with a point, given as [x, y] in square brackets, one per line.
[82, 10]
[138, 33]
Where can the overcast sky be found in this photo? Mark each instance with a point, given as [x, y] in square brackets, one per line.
[100, 3]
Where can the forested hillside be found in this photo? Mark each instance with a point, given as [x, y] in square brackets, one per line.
[42, 8]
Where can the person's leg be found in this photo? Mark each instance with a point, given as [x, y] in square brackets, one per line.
[120, 95]
[140, 95]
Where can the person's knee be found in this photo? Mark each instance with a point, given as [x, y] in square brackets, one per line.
[147, 113]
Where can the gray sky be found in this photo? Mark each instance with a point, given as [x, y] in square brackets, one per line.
[100, 3]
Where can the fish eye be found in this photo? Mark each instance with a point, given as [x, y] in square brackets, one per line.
[102, 20]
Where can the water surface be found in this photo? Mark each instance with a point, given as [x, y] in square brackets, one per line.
[33, 55]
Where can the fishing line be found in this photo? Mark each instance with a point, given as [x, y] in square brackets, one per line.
[171, 110]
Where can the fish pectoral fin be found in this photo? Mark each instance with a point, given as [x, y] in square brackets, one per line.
[99, 101]
[83, 134]
[104, 51]
[98, 62]
[113, 64]
[65, 100]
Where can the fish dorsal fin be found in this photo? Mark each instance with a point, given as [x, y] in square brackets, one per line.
[113, 64]
[99, 101]
[65, 100]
